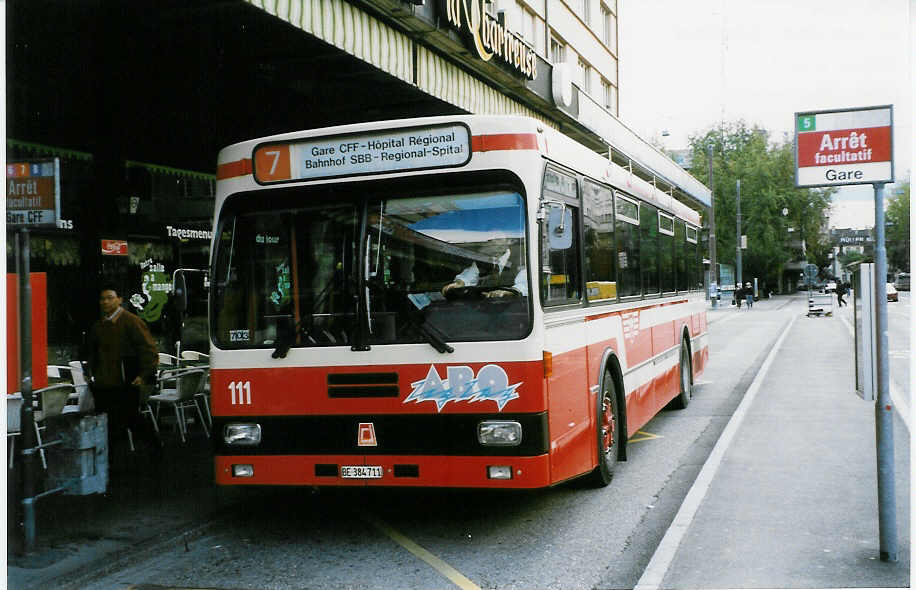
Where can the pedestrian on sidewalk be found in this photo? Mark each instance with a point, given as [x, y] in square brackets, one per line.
[841, 291]
[739, 295]
[122, 359]
[749, 295]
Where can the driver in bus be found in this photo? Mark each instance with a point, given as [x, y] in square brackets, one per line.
[470, 277]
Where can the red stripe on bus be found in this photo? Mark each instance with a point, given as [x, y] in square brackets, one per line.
[232, 169]
[504, 141]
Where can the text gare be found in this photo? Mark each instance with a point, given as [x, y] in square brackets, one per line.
[393, 149]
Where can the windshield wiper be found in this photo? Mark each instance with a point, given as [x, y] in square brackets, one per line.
[416, 319]
[433, 336]
[286, 339]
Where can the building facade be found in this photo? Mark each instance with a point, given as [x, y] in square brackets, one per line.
[134, 100]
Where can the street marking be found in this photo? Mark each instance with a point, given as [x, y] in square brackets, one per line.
[722, 320]
[645, 436]
[654, 574]
[437, 564]
[901, 404]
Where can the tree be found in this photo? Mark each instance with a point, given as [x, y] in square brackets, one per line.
[767, 174]
[898, 229]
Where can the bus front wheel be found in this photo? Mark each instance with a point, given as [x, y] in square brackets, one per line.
[608, 432]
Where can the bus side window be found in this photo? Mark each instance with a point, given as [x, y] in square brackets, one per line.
[598, 236]
[626, 224]
[648, 248]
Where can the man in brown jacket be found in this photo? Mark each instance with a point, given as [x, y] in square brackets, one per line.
[122, 357]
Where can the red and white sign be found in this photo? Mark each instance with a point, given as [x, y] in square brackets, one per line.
[114, 247]
[32, 193]
[853, 146]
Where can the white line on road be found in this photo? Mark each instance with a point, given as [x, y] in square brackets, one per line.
[900, 403]
[654, 574]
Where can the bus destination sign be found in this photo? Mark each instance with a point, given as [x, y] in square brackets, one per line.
[398, 150]
[840, 147]
[33, 193]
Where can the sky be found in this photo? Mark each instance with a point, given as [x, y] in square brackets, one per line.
[685, 66]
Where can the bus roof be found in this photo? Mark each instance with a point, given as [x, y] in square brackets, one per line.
[495, 132]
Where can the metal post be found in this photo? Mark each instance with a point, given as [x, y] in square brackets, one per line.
[712, 229]
[28, 471]
[738, 237]
[884, 406]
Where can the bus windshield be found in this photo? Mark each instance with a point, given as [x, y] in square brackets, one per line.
[336, 267]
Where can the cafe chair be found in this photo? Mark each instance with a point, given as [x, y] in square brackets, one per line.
[168, 360]
[194, 358]
[188, 382]
[86, 402]
[47, 401]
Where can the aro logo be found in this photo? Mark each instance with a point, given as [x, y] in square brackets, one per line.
[461, 385]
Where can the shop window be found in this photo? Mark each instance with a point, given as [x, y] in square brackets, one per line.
[584, 76]
[608, 28]
[557, 51]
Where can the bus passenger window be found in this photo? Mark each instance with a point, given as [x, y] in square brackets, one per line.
[648, 248]
[600, 253]
[666, 253]
[559, 260]
[626, 225]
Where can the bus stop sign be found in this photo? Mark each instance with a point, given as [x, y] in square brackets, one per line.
[32, 193]
[846, 146]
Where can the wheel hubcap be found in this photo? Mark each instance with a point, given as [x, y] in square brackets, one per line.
[608, 425]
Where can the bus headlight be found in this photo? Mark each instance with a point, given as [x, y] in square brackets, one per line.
[242, 435]
[499, 433]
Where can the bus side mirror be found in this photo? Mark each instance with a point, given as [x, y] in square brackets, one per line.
[180, 292]
[559, 226]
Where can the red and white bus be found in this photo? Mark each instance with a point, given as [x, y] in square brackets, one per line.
[463, 301]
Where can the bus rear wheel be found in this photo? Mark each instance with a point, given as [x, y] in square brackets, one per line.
[685, 375]
[608, 433]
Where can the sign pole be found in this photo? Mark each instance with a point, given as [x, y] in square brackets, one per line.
[884, 406]
[27, 469]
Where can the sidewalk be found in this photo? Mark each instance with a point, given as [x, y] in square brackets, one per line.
[793, 502]
[145, 506]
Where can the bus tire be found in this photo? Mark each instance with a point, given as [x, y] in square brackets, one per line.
[608, 432]
[685, 376]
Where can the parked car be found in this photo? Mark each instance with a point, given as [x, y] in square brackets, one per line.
[891, 292]
[902, 283]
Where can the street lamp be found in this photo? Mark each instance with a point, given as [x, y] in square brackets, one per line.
[738, 236]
